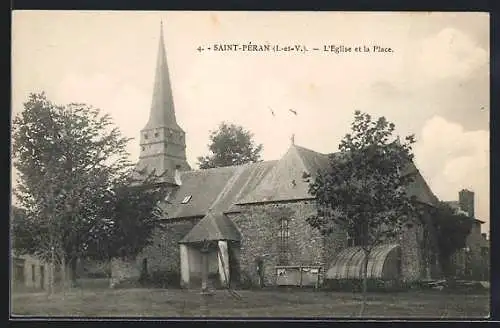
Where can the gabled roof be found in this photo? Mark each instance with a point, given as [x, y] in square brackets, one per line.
[285, 181]
[419, 188]
[214, 226]
[216, 189]
[223, 189]
[203, 185]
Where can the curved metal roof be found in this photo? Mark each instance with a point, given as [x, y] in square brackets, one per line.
[349, 263]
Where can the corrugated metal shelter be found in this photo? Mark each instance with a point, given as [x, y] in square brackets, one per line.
[383, 263]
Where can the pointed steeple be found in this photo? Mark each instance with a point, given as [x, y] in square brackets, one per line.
[162, 141]
[162, 113]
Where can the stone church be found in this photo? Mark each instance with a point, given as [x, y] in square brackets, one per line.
[250, 220]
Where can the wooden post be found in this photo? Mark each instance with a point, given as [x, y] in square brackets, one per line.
[204, 267]
[204, 309]
[185, 274]
[223, 261]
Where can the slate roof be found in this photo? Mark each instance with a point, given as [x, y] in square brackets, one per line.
[420, 189]
[223, 189]
[214, 226]
[162, 112]
[218, 191]
[215, 189]
[285, 181]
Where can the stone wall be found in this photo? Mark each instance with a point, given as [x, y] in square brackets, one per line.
[418, 255]
[260, 225]
[162, 254]
[410, 252]
[30, 272]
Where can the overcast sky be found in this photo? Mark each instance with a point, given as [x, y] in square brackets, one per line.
[435, 84]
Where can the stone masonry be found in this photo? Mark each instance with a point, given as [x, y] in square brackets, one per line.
[162, 254]
[260, 226]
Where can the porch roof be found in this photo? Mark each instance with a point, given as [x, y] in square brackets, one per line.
[214, 226]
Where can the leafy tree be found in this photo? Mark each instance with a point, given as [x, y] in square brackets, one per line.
[364, 189]
[131, 215]
[452, 229]
[74, 179]
[230, 145]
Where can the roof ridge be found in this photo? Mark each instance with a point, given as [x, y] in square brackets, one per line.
[230, 166]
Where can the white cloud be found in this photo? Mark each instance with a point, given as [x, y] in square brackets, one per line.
[452, 159]
[450, 53]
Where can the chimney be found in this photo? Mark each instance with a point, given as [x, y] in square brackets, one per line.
[177, 175]
[466, 201]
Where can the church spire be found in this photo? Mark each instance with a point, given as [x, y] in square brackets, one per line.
[162, 113]
[162, 141]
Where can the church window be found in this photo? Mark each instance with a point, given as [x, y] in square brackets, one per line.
[33, 272]
[284, 234]
[186, 199]
[143, 148]
[145, 135]
[156, 134]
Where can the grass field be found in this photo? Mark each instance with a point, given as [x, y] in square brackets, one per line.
[265, 303]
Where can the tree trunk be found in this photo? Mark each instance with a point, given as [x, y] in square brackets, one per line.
[365, 282]
[52, 272]
[73, 262]
[63, 273]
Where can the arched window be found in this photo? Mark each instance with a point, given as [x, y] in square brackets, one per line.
[284, 234]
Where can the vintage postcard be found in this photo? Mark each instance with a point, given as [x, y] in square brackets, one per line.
[250, 164]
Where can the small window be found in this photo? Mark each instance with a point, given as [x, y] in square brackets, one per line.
[143, 148]
[156, 134]
[186, 199]
[33, 272]
[145, 136]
